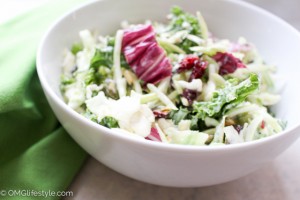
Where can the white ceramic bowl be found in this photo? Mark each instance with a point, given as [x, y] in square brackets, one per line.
[176, 165]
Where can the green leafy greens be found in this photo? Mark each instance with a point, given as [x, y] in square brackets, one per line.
[180, 21]
[76, 48]
[179, 17]
[227, 98]
[185, 114]
[101, 63]
[109, 122]
[178, 115]
[104, 56]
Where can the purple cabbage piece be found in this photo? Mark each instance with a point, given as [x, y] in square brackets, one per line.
[137, 34]
[154, 135]
[145, 57]
[163, 70]
[134, 53]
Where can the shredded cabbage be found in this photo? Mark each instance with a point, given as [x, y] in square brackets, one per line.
[173, 83]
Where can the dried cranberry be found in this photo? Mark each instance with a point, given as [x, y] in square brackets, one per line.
[188, 63]
[160, 114]
[228, 63]
[198, 67]
[190, 95]
[263, 124]
[198, 70]
[194, 63]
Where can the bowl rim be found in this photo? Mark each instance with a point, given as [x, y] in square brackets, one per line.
[136, 140]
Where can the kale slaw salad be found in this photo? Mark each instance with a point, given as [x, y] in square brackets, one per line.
[172, 83]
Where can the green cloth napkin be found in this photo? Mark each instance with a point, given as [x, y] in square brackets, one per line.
[35, 151]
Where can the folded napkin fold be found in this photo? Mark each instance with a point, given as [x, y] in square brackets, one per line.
[35, 151]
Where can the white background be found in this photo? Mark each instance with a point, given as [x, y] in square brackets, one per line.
[10, 8]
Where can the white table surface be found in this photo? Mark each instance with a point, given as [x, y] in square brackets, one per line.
[278, 180]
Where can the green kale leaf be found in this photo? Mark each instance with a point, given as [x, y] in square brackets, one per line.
[226, 98]
[109, 122]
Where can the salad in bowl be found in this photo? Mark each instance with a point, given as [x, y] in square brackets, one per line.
[172, 82]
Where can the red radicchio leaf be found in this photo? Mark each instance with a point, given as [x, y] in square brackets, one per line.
[145, 57]
[228, 63]
[132, 54]
[138, 34]
[154, 135]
